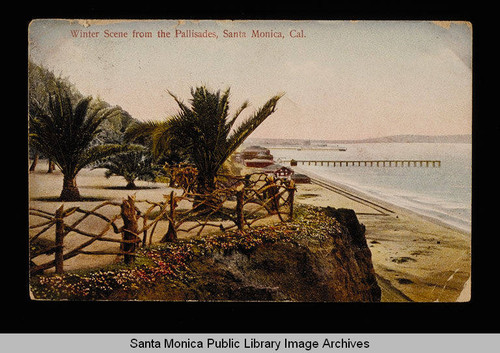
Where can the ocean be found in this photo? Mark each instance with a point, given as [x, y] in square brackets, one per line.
[443, 193]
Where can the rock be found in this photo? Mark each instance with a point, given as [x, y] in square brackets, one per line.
[402, 259]
[404, 281]
[333, 267]
[348, 218]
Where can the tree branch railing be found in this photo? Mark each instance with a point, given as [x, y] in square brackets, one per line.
[251, 198]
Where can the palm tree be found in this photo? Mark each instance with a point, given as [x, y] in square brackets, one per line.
[40, 80]
[131, 165]
[203, 132]
[64, 133]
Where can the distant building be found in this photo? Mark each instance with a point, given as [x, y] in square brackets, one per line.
[237, 158]
[278, 170]
[258, 163]
[284, 172]
[253, 152]
[301, 179]
[263, 155]
[271, 169]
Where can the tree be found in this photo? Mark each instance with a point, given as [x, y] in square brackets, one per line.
[203, 132]
[64, 133]
[40, 80]
[131, 165]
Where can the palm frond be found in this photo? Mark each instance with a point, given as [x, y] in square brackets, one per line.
[81, 111]
[141, 130]
[231, 122]
[184, 108]
[97, 153]
[157, 131]
[239, 135]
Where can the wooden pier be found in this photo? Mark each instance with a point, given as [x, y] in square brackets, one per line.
[370, 163]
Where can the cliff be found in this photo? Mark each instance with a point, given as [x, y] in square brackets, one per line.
[322, 256]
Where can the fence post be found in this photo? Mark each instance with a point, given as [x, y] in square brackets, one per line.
[129, 232]
[59, 259]
[240, 199]
[273, 193]
[171, 234]
[291, 194]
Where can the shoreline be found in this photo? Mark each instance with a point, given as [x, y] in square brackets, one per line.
[386, 204]
[417, 258]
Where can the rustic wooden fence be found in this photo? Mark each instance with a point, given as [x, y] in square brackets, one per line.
[241, 201]
[250, 198]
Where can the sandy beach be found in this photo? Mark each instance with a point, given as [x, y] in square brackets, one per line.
[416, 259]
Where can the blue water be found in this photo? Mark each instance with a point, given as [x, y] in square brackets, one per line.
[443, 193]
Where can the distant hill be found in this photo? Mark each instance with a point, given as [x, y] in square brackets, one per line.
[385, 139]
[420, 139]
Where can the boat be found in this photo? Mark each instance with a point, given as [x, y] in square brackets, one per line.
[340, 148]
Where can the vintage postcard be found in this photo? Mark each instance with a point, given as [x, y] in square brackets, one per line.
[250, 160]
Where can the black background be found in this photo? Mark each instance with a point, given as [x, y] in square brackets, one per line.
[22, 315]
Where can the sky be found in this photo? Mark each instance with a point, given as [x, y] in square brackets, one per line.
[340, 79]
